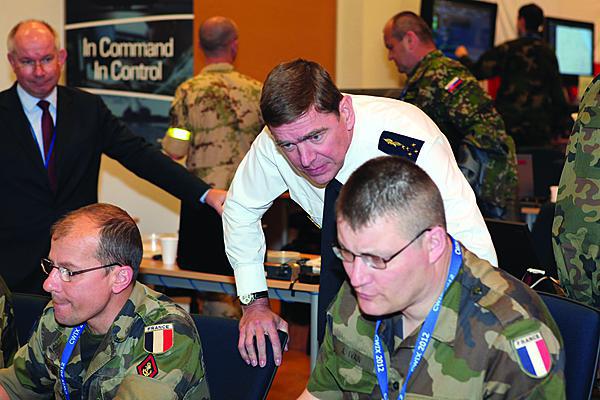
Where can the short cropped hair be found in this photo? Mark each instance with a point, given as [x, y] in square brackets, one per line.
[119, 239]
[10, 40]
[215, 34]
[391, 186]
[533, 16]
[409, 21]
[292, 88]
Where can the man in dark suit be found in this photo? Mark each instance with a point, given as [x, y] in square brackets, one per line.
[52, 140]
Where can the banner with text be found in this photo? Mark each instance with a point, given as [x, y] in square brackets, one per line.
[133, 54]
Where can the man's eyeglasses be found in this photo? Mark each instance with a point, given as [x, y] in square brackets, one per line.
[67, 274]
[370, 260]
[30, 65]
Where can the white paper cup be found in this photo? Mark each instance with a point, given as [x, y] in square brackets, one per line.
[553, 193]
[169, 249]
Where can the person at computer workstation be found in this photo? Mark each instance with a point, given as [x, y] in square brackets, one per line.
[219, 110]
[530, 97]
[451, 96]
[420, 316]
[315, 137]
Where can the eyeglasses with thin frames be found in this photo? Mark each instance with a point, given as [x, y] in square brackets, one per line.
[67, 274]
[375, 262]
[31, 65]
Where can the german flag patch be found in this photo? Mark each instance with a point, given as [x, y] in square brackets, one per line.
[158, 338]
[148, 367]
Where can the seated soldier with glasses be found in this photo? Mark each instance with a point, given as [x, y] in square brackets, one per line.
[104, 335]
[430, 320]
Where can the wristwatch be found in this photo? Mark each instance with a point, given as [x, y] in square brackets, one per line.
[247, 299]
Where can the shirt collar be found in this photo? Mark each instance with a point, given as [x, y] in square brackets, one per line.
[29, 102]
[218, 67]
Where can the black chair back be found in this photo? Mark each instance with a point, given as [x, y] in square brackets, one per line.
[228, 376]
[580, 329]
[28, 309]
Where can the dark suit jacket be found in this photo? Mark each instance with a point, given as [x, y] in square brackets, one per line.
[85, 129]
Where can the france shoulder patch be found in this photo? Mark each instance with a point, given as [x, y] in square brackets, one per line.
[532, 355]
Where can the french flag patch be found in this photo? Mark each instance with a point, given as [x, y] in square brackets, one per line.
[158, 338]
[454, 84]
[533, 355]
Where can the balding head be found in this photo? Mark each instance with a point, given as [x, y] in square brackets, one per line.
[217, 36]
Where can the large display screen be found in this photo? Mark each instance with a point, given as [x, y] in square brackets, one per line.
[573, 42]
[461, 22]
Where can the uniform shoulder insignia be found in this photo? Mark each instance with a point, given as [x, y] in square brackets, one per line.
[158, 338]
[399, 145]
[148, 367]
[533, 356]
[454, 84]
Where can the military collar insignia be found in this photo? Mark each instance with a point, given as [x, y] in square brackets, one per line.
[399, 145]
[158, 338]
[533, 356]
[148, 367]
[454, 85]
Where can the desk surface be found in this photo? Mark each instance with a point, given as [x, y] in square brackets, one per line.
[157, 268]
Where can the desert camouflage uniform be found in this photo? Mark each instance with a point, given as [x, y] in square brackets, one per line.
[530, 97]
[471, 354]
[117, 369]
[466, 115]
[221, 108]
[576, 228]
[8, 330]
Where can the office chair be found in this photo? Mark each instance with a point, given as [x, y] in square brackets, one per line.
[28, 309]
[227, 374]
[579, 326]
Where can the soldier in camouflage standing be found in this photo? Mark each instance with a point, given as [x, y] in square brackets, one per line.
[576, 228]
[420, 314]
[452, 97]
[530, 97]
[220, 107]
[104, 335]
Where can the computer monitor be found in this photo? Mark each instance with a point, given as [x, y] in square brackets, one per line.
[573, 42]
[461, 22]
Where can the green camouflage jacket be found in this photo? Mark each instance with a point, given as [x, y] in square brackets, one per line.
[486, 316]
[221, 108]
[530, 97]
[576, 228]
[121, 368]
[8, 330]
[451, 96]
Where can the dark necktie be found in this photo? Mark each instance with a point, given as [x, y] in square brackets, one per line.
[332, 272]
[48, 136]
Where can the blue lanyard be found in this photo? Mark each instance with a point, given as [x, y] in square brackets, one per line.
[424, 334]
[64, 358]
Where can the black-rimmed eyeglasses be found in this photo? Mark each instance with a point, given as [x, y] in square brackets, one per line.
[370, 260]
[67, 274]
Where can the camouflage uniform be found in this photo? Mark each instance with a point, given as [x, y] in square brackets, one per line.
[121, 367]
[472, 352]
[452, 97]
[8, 330]
[576, 228]
[221, 108]
[530, 97]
